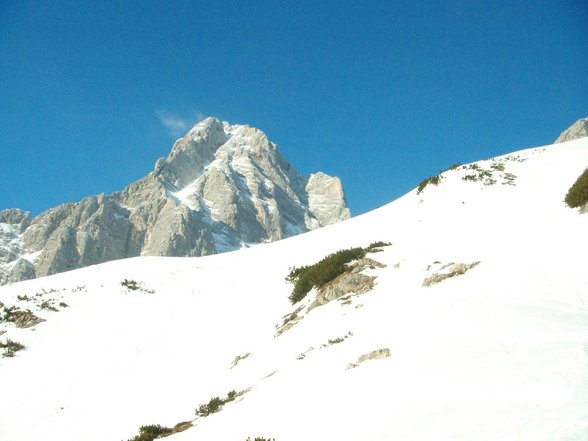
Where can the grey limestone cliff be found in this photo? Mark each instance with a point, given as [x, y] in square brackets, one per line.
[577, 130]
[13, 223]
[221, 187]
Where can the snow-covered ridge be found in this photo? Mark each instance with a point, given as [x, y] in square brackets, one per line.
[496, 351]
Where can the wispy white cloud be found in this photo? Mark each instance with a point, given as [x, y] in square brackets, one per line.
[178, 125]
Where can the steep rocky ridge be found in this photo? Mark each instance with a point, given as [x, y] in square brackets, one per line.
[577, 130]
[222, 186]
[13, 266]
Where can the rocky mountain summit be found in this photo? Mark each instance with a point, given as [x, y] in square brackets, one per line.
[222, 187]
[577, 130]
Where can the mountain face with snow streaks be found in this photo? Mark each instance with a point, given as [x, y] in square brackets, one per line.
[221, 187]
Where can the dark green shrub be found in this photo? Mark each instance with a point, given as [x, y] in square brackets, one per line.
[215, 404]
[376, 247]
[499, 166]
[131, 285]
[10, 347]
[435, 180]
[151, 432]
[305, 278]
[48, 305]
[8, 313]
[578, 193]
[334, 341]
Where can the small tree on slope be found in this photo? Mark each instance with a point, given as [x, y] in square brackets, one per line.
[578, 193]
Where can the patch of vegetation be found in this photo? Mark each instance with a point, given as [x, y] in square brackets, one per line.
[302, 355]
[435, 180]
[337, 340]
[259, 438]
[10, 347]
[289, 320]
[215, 404]
[515, 158]
[48, 305]
[376, 247]
[479, 175]
[239, 358]
[577, 195]
[498, 166]
[308, 277]
[8, 312]
[23, 298]
[331, 342]
[131, 285]
[509, 179]
[63, 304]
[151, 432]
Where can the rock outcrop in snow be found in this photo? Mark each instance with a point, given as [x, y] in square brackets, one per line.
[221, 187]
[577, 130]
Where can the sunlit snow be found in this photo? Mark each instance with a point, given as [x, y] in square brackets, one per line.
[498, 353]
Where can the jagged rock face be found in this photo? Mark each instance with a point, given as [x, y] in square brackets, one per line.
[326, 198]
[222, 186]
[577, 130]
[12, 267]
[18, 219]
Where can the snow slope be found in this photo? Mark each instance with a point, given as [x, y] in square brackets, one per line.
[500, 352]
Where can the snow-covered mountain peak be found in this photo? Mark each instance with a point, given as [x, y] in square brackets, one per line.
[219, 142]
[192, 153]
[220, 187]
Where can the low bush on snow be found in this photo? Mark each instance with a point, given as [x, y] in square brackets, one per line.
[151, 432]
[215, 405]
[435, 180]
[319, 274]
[577, 195]
[10, 347]
[131, 285]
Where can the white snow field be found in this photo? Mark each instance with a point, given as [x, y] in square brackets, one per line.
[497, 353]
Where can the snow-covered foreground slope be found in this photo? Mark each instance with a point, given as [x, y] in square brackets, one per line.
[497, 353]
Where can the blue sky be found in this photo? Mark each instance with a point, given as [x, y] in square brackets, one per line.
[381, 94]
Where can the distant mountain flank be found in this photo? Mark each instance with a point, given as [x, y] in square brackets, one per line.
[221, 187]
[577, 130]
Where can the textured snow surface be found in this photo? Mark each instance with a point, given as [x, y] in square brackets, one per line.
[498, 353]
